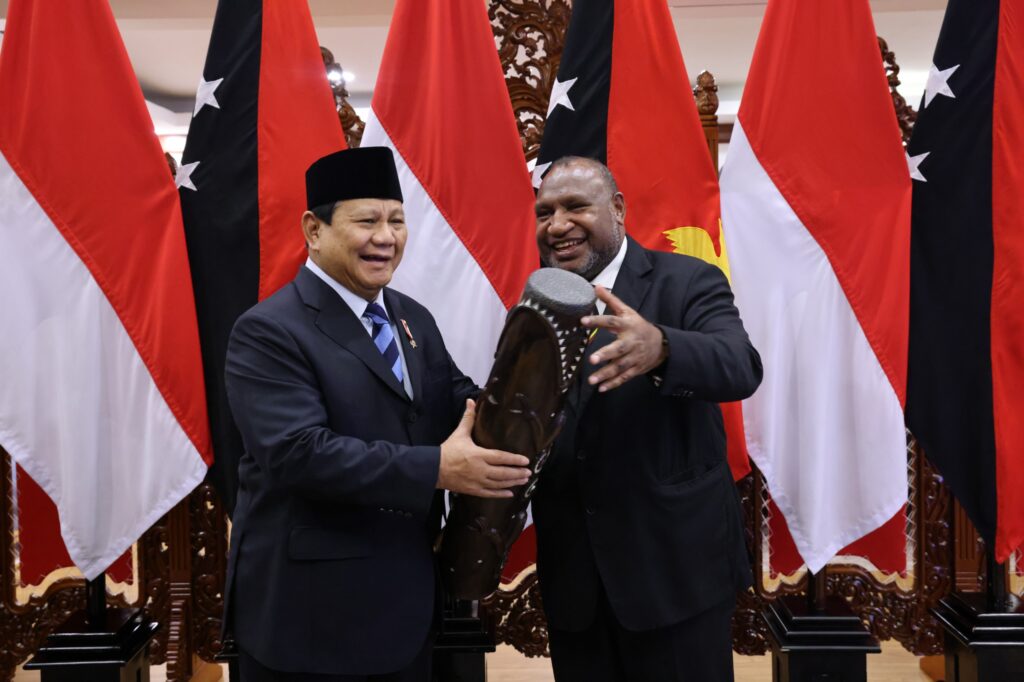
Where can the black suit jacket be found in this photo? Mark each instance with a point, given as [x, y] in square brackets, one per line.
[331, 569]
[637, 495]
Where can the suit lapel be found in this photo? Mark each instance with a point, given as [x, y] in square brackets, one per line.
[631, 286]
[413, 355]
[339, 323]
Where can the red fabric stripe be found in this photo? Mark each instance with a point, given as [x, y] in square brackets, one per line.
[441, 98]
[658, 152]
[1007, 283]
[100, 175]
[851, 191]
[297, 125]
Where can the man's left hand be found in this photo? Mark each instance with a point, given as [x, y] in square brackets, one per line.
[637, 350]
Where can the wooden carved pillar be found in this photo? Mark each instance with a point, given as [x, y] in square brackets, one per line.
[969, 566]
[706, 94]
[179, 645]
[351, 124]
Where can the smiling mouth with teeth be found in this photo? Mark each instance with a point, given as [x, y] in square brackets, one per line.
[566, 245]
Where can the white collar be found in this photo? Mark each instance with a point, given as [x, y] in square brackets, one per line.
[356, 302]
[606, 278]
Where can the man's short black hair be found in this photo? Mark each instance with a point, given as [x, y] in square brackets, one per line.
[605, 172]
[324, 212]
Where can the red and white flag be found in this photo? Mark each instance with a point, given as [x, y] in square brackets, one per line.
[441, 105]
[816, 212]
[102, 401]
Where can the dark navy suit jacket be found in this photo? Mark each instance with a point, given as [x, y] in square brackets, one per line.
[637, 495]
[331, 569]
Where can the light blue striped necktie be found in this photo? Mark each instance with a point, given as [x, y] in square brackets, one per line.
[384, 338]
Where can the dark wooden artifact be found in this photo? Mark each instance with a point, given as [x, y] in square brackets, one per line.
[520, 410]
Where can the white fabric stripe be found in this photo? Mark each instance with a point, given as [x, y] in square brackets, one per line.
[440, 273]
[79, 411]
[825, 427]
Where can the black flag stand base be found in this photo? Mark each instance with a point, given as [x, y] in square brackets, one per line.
[464, 638]
[984, 638]
[817, 637]
[97, 644]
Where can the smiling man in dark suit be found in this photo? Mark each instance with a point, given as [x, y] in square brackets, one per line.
[349, 408]
[640, 542]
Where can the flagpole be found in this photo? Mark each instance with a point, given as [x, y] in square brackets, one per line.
[96, 602]
[816, 591]
[1000, 598]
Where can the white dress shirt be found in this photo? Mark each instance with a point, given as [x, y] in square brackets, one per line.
[606, 278]
[358, 306]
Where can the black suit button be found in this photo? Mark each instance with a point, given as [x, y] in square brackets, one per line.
[413, 415]
[581, 455]
[590, 511]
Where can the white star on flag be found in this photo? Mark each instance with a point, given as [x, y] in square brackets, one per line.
[205, 95]
[560, 95]
[538, 173]
[938, 84]
[914, 163]
[183, 178]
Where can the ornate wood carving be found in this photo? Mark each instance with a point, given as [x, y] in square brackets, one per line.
[155, 569]
[519, 616]
[905, 113]
[351, 124]
[530, 36]
[209, 565]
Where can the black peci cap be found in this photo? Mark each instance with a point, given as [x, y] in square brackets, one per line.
[360, 173]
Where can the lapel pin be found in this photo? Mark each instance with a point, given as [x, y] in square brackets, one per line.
[408, 332]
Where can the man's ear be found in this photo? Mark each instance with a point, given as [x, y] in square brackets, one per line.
[311, 230]
[619, 207]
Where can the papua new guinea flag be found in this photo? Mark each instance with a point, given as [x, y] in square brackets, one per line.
[263, 113]
[965, 394]
[622, 96]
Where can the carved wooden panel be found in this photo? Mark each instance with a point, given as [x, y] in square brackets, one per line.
[530, 35]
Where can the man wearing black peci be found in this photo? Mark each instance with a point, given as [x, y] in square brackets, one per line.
[640, 541]
[349, 408]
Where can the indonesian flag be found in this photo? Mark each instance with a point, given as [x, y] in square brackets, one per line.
[441, 105]
[263, 113]
[818, 229]
[965, 398]
[622, 96]
[103, 401]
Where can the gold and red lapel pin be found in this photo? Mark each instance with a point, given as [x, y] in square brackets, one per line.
[408, 332]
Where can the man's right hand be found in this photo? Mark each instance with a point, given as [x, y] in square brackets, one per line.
[473, 470]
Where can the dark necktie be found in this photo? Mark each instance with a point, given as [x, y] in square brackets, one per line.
[384, 338]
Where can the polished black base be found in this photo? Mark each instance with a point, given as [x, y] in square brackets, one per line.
[464, 638]
[982, 644]
[77, 651]
[827, 646]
